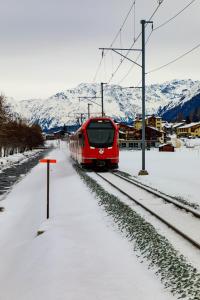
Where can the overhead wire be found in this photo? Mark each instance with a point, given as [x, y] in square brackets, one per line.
[115, 38]
[176, 15]
[136, 60]
[174, 60]
[156, 28]
[135, 39]
[126, 55]
[124, 22]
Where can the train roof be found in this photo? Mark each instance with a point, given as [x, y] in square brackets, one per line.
[85, 124]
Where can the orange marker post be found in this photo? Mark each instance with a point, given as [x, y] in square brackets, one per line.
[48, 161]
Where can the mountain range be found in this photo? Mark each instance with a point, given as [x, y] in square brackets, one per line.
[168, 100]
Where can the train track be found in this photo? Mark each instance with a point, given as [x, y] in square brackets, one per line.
[183, 220]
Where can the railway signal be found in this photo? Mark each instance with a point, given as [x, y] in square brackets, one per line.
[48, 162]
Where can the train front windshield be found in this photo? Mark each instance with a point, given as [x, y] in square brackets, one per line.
[100, 133]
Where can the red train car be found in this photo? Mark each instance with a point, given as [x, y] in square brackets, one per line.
[96, 143]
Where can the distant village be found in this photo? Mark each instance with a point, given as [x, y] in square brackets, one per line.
[158, 132]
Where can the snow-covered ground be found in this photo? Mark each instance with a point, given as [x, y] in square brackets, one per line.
[18, 158]
[79, 256]
[174, 173]
[11, 160]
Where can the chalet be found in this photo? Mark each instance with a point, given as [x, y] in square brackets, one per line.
[153, 136]
[176, 126]
[167, 127]
[127, 132]
[189, 130]
[153, 121]
[133, 139]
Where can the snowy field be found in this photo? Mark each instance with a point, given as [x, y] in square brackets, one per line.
[174, 173]
[79, 256]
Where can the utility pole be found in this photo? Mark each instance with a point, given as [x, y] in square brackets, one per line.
[102, 104]
[143, 171]
[89, 110]
[91, 99]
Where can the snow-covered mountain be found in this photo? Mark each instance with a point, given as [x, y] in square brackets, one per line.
[66, 106]
[187, 104]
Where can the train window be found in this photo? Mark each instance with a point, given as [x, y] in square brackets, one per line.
[100, 133]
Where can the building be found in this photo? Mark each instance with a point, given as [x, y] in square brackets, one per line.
[155, 122]
[152, 121]
[132, 138]
[189, 130]
[176, 126]
[166, 148]
[167, 127]
[127, 132]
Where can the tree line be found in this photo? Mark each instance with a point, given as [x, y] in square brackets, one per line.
[16, 136]
[193, 116]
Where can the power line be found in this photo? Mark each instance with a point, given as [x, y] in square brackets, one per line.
[158, 27]
[124, 22]
[115, 38]
[173, 61]
[98, 68]
[129, 70]
[176, 15]
[135, 40]
[137, 58]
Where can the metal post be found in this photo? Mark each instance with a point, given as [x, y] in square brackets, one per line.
[102, 109]
[89, 110]
[48, 189]
[81, 119]
[143, 171]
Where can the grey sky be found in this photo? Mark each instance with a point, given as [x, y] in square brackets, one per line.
[51, 45]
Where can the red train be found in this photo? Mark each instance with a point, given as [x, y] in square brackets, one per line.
[95, 144]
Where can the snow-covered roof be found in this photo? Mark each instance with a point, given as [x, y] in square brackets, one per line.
[169, 144]
[57, 131]
[167, 125]
[154, 128]
[147, 117]
[190, 125]
[178, 124]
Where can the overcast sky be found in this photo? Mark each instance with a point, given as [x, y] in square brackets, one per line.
[50, 45]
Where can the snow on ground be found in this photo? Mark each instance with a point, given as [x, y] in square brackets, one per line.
[174, 173]
[17, 158]
[191, 253]
[8, 161]
[80, 256]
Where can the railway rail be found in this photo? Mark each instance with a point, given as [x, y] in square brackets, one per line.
[183, 220]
